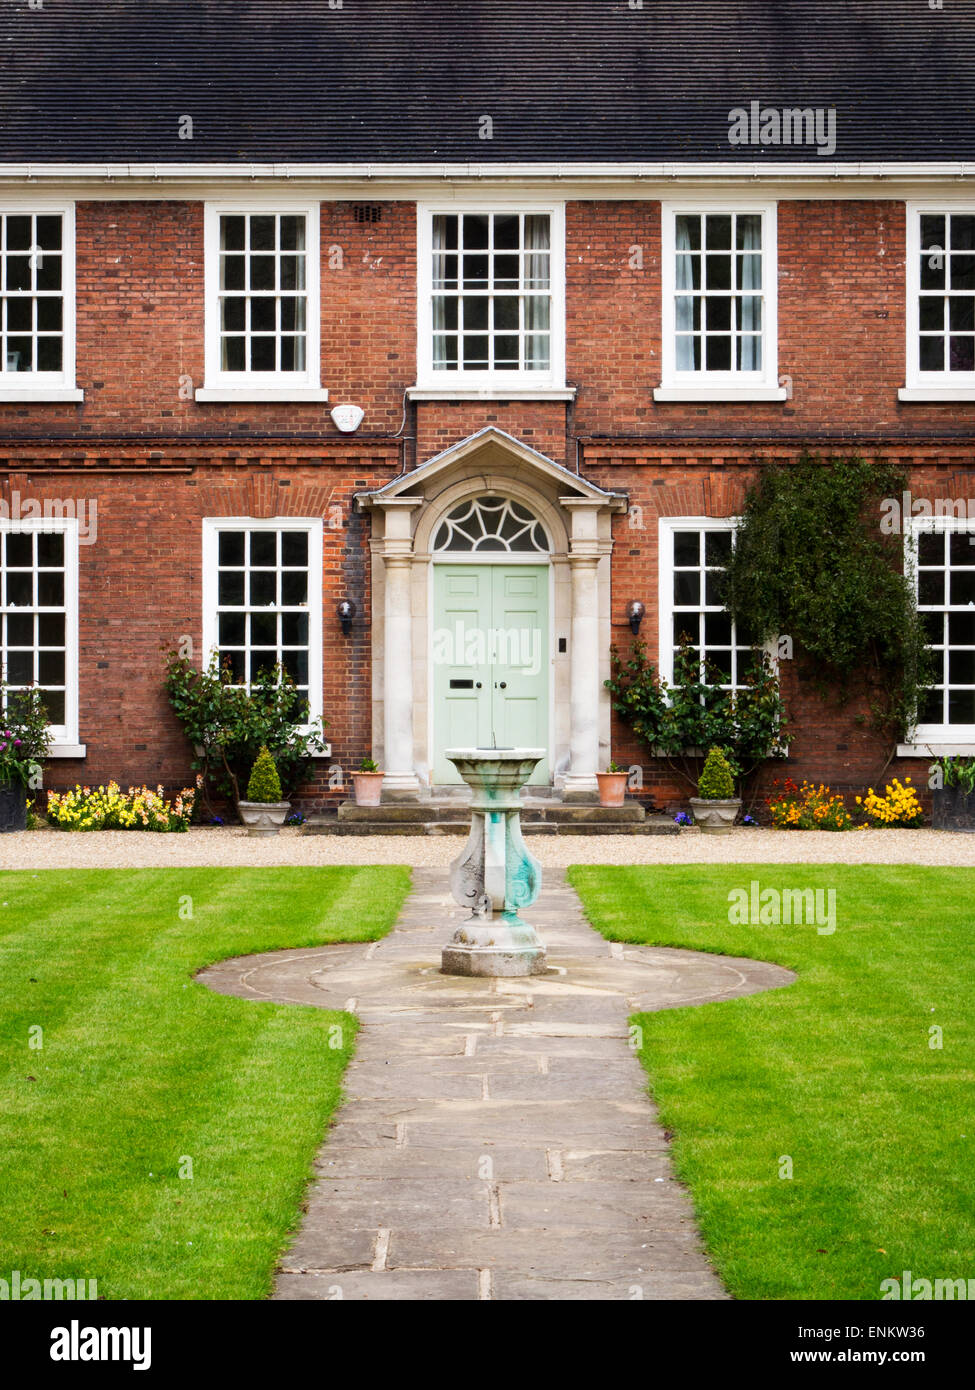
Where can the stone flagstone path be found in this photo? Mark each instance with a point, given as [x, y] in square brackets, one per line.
[497, 1140]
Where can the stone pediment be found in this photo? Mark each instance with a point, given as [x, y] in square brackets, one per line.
[492, 453]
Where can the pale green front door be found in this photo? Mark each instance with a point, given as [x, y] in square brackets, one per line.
[491, 661]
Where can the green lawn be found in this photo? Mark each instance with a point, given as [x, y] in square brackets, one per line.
[835, 1072]
[141, 1068]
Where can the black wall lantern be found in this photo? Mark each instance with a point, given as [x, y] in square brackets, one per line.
[635, 612]
[346, 612]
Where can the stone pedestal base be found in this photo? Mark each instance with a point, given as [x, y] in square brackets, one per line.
[499, 945]
[494, 962]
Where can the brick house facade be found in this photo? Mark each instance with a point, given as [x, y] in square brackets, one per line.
[144, 435]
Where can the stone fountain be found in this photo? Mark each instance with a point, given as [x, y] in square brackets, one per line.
[495, 875]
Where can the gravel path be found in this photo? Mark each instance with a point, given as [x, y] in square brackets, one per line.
[230, 847]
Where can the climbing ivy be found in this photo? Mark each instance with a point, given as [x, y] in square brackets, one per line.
[811, 562]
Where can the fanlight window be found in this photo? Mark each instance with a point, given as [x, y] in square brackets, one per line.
[491, 523]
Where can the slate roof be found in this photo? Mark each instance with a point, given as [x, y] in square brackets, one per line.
[406, 81]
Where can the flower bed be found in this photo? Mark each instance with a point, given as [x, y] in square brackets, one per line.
[109, 808]
[808, 808]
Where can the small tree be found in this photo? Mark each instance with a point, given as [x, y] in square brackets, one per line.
[264, 784]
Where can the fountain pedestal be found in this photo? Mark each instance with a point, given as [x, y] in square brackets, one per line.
[495, 875]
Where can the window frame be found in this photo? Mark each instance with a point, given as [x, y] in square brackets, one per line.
[219, 385]
[64, 737]
[935, 738]
[50, 386]
[668, 527]
[719, 386]
[314, 528]
[461, 384]
[927, 386]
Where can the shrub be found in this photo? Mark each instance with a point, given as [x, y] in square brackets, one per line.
[716, 782]
[109, 808]
[228, 725]
[899, 808]
[368, 765]
[808, 808]
[264, 784]
[695, 712]
[24, 734]
[838, 590]
[956, 772]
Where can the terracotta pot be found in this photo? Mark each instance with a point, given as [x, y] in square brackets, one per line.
[263, 817]
[715, 817]
[612, 787]
[368, 787]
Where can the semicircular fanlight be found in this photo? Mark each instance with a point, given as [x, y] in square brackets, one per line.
[491, 524]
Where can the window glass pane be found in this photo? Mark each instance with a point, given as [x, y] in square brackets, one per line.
[231, 629]
[230, 588]
[931, 587]
[264, 629]
[687, 589]
[263, 547]
[232, 233]
[54, 703]
[718, 231]
[931, 354]
[687, 548]
[932, 232]
[231, 547]
[717, 547]
[294, 587]
[50, 549]
[294, 547]
[19, 548]
[20, 629]
[263, 588]
[962, 231]
[50, 589]
[931, 313]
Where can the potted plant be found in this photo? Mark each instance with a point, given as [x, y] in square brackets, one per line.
[263, 812]
[612, 785]
[715, 808]
[368, 783]
[953, 794]
[24, 743]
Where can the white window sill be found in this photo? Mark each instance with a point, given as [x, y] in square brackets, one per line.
[720, 393]
[67, 750]
[936, 393]
[491, 393]
[938, 747]
[229, 394]
[27, 395]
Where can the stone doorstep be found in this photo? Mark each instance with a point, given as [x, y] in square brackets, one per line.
[431, 811]
[652, 826]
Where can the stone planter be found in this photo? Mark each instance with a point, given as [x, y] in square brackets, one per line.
[13, 807]
[715, 817]
[368, 787]
[612, 787]
[263, 818]
[953, 809]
